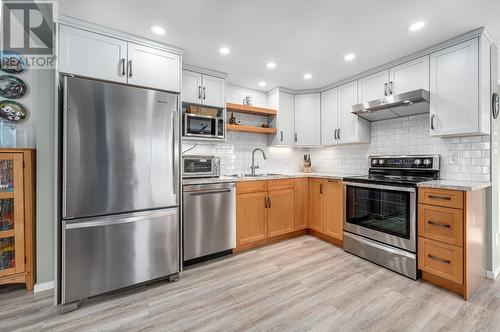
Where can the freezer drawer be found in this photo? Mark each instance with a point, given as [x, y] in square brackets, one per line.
[108, 253]
[209, 219]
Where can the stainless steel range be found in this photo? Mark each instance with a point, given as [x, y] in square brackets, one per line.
[380, 222]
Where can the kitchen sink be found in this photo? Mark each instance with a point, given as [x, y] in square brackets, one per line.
[242, 176]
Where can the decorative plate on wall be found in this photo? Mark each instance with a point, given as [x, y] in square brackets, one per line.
[12, 111]
[11, 62]
[12, 87]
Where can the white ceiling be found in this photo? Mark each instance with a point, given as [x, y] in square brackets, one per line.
[299, 35]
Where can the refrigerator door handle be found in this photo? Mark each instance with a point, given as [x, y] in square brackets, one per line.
[174, 157]
[120, 219]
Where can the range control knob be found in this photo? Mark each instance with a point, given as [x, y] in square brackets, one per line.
[381, 161]
[427, 162]
[374, 161]
[418, 162]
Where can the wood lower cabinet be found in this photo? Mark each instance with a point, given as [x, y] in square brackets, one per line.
[300, 200]
[17, 207]
[334, 209]
[264, 210]
[280, 212]
[451, 238]
[326, 209]
[315, 206]
[251, 216]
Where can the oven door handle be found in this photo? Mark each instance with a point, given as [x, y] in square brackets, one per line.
[378, 186]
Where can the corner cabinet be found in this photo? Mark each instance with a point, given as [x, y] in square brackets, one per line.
[203, 89]
[307, 119]
[457, 75]
[17, 208]
[96, 55]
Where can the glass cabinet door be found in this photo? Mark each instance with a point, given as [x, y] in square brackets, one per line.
[11, 214]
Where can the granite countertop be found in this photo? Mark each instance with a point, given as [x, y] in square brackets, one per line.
[455, 185]
[438, 184]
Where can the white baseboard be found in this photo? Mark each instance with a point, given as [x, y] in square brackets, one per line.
[493, 274]
[40, 287]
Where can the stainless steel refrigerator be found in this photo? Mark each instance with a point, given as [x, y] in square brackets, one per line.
[120, 187]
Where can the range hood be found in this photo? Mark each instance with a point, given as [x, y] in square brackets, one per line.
[405, 104]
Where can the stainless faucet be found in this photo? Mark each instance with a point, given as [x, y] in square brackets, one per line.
[254, 167]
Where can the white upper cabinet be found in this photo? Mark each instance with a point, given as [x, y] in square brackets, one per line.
[329, 117]
[203, 89]
[373, 87]
[153, 68]
[307, 119]
[98, 56]
[213, 91]
[409, 76]
[454, 88]
[284, 119]
[352, 129]
[92, 55]
[191, 87]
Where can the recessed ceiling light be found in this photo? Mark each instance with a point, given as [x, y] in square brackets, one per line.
[349, 57]
[271, 65]
[416, 26]
[262, 83]
[158, 30]
[307, 76]
[224, 50]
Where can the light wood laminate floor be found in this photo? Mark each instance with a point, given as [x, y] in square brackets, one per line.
[297, 285]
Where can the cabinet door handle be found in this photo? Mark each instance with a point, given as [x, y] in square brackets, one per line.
[269, 204]
[129, 67]
[204, 93]
[265, 202]
[439, 259]
[444, 198]
[199, 91]
[338, 133]
[335, 134]
[321, 188]
[432, 121]
[385, 89]
[296, 137]
[438, 224]
[122, 61]
[281, 133]
[391, 83]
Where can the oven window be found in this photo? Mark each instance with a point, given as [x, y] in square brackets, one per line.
[198, 166]
[385, 211]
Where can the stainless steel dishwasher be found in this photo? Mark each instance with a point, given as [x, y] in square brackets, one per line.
[209, 212]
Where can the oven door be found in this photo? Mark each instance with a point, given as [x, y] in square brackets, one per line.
[382, 213]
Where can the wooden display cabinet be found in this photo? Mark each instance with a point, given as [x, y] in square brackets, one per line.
[17, 208]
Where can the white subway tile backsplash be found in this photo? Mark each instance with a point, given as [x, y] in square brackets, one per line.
[410, 135]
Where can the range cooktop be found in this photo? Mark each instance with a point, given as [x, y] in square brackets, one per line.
[401, 170]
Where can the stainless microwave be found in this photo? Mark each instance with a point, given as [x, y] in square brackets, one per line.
[203, 126]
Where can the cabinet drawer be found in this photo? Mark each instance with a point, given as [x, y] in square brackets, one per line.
[440, 259]
[280, 184]
[440, 197]
[251, 187]
[440, 223]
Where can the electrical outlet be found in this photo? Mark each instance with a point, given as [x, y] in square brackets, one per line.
[453, 158]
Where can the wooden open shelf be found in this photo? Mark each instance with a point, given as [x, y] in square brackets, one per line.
[250, 129]
[238, 108]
